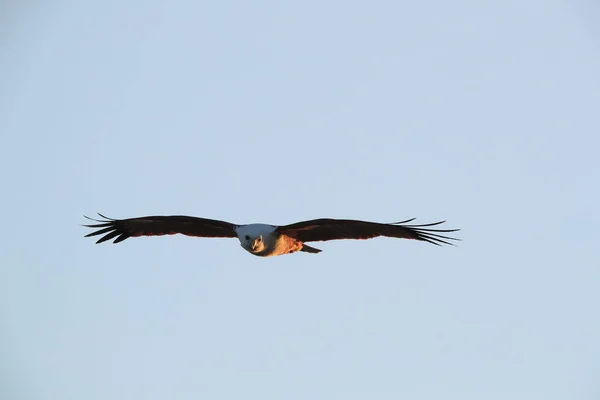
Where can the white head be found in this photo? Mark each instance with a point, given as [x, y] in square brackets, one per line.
[253, 238]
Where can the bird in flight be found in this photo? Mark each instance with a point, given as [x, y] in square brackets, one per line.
[265, 240]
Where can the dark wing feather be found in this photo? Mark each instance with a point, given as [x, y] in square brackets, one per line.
[159, 226]
[318, 230]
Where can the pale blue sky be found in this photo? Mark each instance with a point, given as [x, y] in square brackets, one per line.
[485, 114]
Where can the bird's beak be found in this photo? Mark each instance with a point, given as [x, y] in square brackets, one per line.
[255, 243]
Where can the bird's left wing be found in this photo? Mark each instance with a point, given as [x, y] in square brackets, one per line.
[324, 229]
[159, 226]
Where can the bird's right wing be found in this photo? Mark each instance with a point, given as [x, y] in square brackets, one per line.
[159, 226]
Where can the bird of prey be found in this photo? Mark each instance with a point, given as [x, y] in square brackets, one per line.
[265, 240]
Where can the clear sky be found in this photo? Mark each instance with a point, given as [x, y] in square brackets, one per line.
[484, 114]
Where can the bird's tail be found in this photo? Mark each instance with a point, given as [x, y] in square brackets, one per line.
[309, 249]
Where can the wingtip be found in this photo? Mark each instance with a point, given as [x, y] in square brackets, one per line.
[403, 222]
[105, 217]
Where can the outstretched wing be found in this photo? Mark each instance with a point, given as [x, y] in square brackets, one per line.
[159, 226]
[318, 230]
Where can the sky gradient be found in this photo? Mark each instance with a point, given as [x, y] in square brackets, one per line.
[484, 114]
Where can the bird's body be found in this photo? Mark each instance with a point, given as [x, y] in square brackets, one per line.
[265, 240]
[262, 240]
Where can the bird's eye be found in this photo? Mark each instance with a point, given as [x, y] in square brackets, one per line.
[247, 237]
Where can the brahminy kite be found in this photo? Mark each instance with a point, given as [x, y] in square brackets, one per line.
[265, 240]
